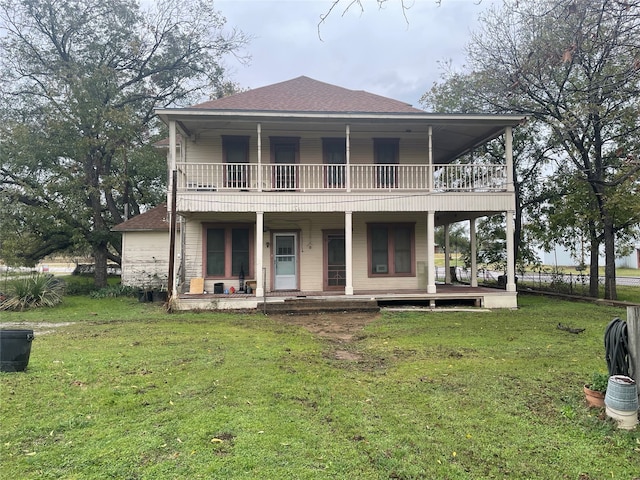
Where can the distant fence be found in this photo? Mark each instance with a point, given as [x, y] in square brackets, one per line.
[569, 283]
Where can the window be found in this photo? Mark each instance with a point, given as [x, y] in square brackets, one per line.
[386, 154]
[334, 153]
[235, 150]
[228, 249]
[285, 153]
[391, 249]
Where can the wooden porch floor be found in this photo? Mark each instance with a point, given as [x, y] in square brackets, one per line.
[445, 294]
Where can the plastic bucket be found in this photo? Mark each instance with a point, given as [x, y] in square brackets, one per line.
[626, 420]
[622, 394]
[15, 349]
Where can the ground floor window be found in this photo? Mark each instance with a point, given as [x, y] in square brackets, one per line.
[391, 249]
[228, 250]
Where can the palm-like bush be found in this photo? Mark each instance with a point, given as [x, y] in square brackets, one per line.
[33, 291]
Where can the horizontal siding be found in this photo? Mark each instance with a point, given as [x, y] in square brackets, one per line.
[208, 148]
[145, 258]
[341, 202]
[310, 236]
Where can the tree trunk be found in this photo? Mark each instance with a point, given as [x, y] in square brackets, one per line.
[593, 261]
[610, 291]
[100, 259]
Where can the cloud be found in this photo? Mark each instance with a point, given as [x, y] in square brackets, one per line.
[376, 50]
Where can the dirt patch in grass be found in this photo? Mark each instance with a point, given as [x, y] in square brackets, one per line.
[339, 328]
[39, 328]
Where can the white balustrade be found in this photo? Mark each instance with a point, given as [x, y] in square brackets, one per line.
[321, 177]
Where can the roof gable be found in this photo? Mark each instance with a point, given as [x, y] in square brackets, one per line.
[304, 94]
[154, 219]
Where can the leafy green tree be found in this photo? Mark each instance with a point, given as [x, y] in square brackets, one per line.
[573, 65]
[81, 79]
[531, 155]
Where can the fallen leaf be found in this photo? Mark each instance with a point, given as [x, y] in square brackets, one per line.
[216, 440]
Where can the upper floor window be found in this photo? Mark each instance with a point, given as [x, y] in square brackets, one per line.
[386, 153]
[235, 151]
[334, 154]
[285, 154]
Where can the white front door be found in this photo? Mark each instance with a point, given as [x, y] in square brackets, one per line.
[285, 261]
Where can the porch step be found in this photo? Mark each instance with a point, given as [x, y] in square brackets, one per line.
[308, 306]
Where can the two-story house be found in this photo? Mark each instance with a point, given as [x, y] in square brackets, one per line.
[306, 188]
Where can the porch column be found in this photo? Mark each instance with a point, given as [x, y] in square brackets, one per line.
[171, 200]
[348, 158]
[259, 134]
[348, 252]
[474, 263]
[259, 251]
[431, 256]
[430, 161]
[508, 152]
[447, 253]
[511, 266]
[172, 163]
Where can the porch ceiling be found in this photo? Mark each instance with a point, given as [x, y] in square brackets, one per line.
[447, 218]
[453, 134]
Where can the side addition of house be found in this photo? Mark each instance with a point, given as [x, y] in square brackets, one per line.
[308, 189]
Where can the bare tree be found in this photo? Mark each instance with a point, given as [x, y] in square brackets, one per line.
[574, 65]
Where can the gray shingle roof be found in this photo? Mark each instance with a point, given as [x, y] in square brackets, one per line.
[154, 219]
[304, 94]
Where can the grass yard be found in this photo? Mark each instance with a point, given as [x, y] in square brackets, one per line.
[129, 391]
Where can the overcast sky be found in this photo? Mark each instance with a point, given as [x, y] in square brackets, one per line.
[376, 50]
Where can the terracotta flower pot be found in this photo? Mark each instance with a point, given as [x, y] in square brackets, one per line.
[594, 398]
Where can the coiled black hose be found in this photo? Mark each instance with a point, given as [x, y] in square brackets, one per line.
[616, 347]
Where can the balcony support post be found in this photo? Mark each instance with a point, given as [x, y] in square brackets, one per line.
[511, 264]
[431, 255]
[447, 255]
[474, 263]
[348, 157]
[259, 251]
[259, 135]
[348, 251]
[430, 161]
[508, 151]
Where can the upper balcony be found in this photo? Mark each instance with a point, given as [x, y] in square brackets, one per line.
[245, 177]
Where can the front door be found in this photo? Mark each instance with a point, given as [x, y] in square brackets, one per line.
[335, 261]
[285, 261]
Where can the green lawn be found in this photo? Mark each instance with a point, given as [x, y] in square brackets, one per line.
[130, 391]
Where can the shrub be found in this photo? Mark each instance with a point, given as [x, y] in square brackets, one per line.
[79, 284]
[33, 291]
[115, 291]
[599, 382]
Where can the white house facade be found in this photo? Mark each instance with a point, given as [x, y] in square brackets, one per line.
[308, 189]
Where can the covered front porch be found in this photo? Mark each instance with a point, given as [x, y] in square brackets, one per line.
[445, 296]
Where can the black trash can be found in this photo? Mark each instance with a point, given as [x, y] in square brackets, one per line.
[15, 349]
[218, 288]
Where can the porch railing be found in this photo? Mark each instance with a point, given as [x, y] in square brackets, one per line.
[322, 177]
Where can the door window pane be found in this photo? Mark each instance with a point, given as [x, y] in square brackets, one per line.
[336, 261]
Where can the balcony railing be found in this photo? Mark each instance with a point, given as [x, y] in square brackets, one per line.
[321, 177]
